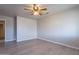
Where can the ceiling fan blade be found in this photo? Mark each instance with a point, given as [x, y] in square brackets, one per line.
[30, 13]
[44, 9]
[27, 9]
[44, 13]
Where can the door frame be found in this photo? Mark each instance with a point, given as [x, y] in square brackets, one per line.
[4, 28]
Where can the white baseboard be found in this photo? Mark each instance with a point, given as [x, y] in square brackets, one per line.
[25, 40]
[48, 41]
[9, 40]
[60, 43]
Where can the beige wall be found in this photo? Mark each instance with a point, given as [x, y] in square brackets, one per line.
[61, 27]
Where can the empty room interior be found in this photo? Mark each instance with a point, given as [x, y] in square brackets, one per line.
[39, 29]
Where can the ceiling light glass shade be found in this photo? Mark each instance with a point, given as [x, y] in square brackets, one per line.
[36, 13]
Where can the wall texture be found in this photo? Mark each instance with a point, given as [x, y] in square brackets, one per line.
[61, 27]
[9, 27]
[26, 28]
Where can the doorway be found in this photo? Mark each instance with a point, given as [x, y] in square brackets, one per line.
[2, 31]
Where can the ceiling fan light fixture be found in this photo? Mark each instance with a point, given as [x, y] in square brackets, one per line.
[36, 9]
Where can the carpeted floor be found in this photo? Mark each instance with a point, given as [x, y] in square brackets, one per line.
[35, 47]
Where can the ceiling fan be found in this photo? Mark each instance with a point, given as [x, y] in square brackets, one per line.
[36, 9]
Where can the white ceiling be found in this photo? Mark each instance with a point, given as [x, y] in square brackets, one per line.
[18, 9]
